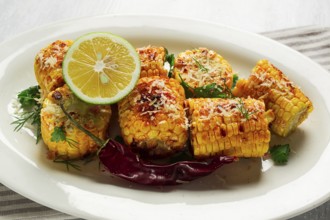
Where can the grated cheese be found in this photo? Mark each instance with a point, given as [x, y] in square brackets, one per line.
[52, 55]
[268, 81]
[226, 108]
[201, 67]
[161, 100]
[50, 62]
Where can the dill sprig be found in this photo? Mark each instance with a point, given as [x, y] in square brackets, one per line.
[72, 163]
[68, 162]
[97, 140]
[246, 114]
[200, 66]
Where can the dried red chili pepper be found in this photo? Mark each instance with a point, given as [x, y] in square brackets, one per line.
[122, 162]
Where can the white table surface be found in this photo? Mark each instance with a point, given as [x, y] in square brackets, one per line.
[17, 16]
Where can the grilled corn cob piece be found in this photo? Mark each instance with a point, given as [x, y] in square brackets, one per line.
[48, 66]
[152, 61]
[290, 105]
[232, 127]
[77, 144]
[152, 117]
[200, 67]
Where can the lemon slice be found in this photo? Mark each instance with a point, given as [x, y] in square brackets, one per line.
[101, 68]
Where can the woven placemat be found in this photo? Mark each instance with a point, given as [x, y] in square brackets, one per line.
[314, 42]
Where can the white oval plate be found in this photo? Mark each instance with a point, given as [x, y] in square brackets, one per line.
[250, 189]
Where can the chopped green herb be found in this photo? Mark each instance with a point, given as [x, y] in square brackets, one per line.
[200, 66]
[208, 91]
[188, 90]
[170, 59]
[235, 78]
[28, 99]
[280, 153]
[246, 114]
[212, 91]
[60, 135]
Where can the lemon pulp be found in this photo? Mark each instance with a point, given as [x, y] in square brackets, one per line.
[101, 68]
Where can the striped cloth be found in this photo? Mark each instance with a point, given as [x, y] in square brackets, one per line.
[311, 41]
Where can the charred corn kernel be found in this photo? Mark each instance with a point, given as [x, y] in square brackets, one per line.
[290, 105]
[77, 144]
[245, 135]
[155, 105]
[200, 67]
[152, 61]
[48, 66]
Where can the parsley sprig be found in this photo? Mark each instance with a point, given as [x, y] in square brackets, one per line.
[31, 107]
[208, 91]
[170, 59]
[280, 153]
[59, 134]
[235, 79]
[28, 97]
